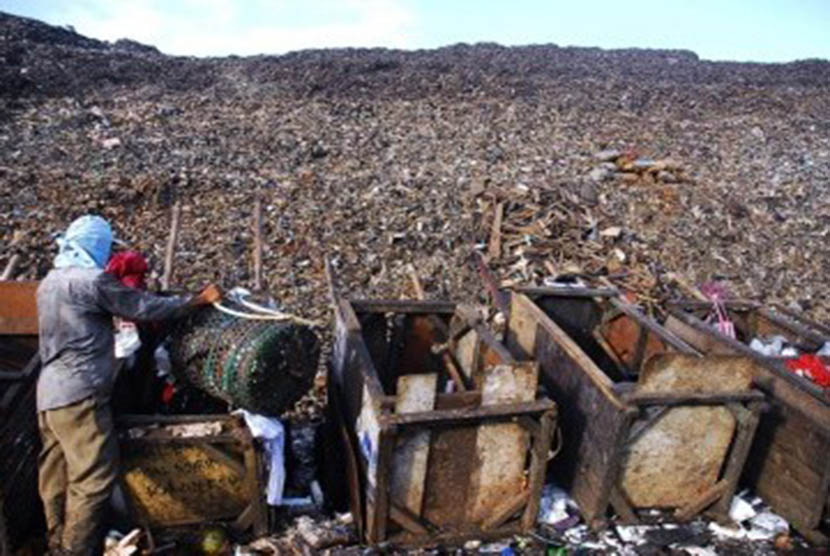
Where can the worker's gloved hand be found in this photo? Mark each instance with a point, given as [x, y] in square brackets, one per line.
[211, 294]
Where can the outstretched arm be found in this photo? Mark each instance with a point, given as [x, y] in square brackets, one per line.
[132, 304]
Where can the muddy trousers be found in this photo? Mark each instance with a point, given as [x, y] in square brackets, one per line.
[77, 472]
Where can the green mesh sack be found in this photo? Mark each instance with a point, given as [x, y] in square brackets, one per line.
[263, 366]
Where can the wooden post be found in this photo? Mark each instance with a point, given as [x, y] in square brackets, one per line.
[14, 259]
[258, 243]
[171, 246]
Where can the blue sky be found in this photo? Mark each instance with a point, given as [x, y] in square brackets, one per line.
[756, 30]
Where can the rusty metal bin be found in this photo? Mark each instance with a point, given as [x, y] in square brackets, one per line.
[789, 464]
[647, 423]
[192, 469]
[445, 436]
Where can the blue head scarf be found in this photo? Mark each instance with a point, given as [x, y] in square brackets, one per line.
[85, 244]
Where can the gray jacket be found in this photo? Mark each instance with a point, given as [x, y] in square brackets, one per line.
[75, 310]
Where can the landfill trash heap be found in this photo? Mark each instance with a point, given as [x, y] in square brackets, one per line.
[384, 158]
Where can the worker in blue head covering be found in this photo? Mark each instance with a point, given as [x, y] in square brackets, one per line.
[76, 302]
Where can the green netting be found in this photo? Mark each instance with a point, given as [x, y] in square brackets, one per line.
[263, 366]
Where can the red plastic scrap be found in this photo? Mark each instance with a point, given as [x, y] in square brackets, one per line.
[812, 367]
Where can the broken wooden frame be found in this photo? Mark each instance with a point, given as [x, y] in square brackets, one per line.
[426, 462]
[623, 384]
[172, 480]
[789, 465]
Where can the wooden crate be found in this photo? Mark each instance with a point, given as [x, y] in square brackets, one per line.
[426, 465]
[647, 423]
[790, 459]
[191, 469]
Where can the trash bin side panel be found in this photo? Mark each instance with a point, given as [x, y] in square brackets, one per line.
[173, 484]
[451, 462]
[789, 487]
[679, 458]
[595, 421]
[680, 455]
[500, 448]
[788, 465]
[701, 341]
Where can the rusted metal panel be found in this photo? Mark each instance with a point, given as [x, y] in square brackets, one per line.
[680, 456]
[18, 309]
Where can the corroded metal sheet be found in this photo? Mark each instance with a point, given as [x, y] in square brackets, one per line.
[682, 452]
[172, 484]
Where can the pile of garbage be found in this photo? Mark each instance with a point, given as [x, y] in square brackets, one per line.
[382, 159]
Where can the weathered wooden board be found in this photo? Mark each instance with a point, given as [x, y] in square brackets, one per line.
[467, 353]
[705, 343]
[499, 448]
[414, 393]
[680, 456]
[595, 420]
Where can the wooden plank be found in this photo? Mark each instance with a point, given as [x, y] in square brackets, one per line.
[705, 343]
[506, 509]
[538, 467]
[702, 501]
[501, 448]
[257, 229]
[534, 292]
[407, 520]
[468, 354]
[362, 357]
[796, 328]
[259, 519]
[521, 329]
[378, 515]
[18, 311]
[494, 248]
[747, 418]
[693, 398]
[788, 490]
[596, 420]
[409, 463]
[402, 306]
[444, 417]
[802, 318]
[622, 506]
[789, 433]
[170, 250]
